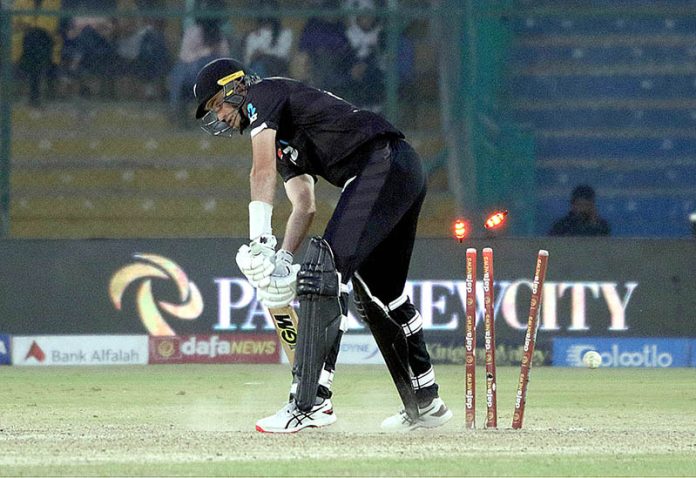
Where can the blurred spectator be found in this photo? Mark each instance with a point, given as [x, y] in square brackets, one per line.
[405, 62]
[366, 86]
[36, 47]
[583, 218]
[202, 42]
[227, 27]
[65, 80]
[324, 55]
[267, 47]
[92, 53]
[145, 54]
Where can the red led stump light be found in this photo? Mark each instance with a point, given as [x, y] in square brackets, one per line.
[495, 220]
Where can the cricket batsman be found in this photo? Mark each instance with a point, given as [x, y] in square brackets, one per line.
[303, 133]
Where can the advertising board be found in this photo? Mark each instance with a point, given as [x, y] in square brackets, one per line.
[183, 287]
[649, 352]
[5, 352]
[46, 350]
[216, 348]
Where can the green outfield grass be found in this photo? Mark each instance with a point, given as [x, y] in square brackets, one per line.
[198, 420]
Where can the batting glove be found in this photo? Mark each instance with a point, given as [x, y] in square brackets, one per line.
[278, 289]
[282, 265]
[255, 260]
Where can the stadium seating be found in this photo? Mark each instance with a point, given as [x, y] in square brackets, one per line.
[116, 170]
[611, 96]
[119, 167]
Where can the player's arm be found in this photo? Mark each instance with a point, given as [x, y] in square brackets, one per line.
[256, 259]
[300, 192]
[262, 178]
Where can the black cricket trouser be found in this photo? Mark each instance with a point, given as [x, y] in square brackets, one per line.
[372, 232]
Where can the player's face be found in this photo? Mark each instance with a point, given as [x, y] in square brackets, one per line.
[224, 111]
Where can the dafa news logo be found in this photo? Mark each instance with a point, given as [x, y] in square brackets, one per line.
[215, 348]
[140, 274]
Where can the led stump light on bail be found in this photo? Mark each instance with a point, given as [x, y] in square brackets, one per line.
[495, 220]
[461, 229]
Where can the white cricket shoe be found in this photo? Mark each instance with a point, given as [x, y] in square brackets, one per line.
[433, 415]
[291, 419]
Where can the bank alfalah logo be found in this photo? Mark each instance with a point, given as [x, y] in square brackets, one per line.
[35, 352]
[149, 267]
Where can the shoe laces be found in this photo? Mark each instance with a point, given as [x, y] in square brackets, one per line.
[288, 408]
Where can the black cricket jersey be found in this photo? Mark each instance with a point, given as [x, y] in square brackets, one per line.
[316, 131]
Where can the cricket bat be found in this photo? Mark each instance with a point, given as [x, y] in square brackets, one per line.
[285, 321]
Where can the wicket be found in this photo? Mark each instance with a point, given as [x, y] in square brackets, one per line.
[489, 329]
[530, 338]
[470, 338]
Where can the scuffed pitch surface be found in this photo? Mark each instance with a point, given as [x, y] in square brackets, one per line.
[199, 420]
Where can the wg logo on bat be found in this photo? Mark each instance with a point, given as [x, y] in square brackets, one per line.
[149, 267]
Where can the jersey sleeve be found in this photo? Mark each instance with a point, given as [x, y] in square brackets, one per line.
[286, 165]
[264, 106]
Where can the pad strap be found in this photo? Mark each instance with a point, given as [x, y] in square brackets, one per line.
[424, 380]
[414, 325]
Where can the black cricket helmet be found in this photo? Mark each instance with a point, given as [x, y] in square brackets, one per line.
[228, 75]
